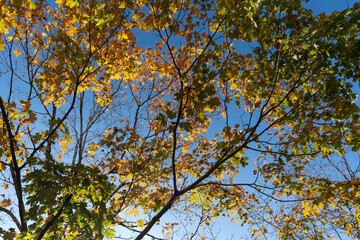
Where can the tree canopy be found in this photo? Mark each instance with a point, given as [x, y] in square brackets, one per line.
[246, 109]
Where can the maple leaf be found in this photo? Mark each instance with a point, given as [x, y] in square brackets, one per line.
[143, 108]
[5, 203]
[17, 52]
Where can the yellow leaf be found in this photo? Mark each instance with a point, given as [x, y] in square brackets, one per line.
[233, 86]
[32, 5]
[2, 25]
[14, 114]
[122, 36]
[72, 30]
[2, 45]
[59, 2]
[321, 206]
[208, 109]
[305, 212]
[2, 166]
[122, 4]
[63, 144]
[5, 186]
[117, 197]
[135, 17]
[159, 45]
[20, 161]
[5, 203]
[133, 212]
[17, 52]
[195, 197]
[92, 151]
[168, 234]
[185, 147]
[191, 137]
[72, 3]
[141, 222]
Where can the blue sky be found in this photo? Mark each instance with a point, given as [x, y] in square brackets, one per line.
[227, 229]
[327, 6]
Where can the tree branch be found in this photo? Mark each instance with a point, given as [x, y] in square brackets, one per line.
[12, 216]
[15, 170]
[51, 222]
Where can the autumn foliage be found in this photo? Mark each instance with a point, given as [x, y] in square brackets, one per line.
[115, 114]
